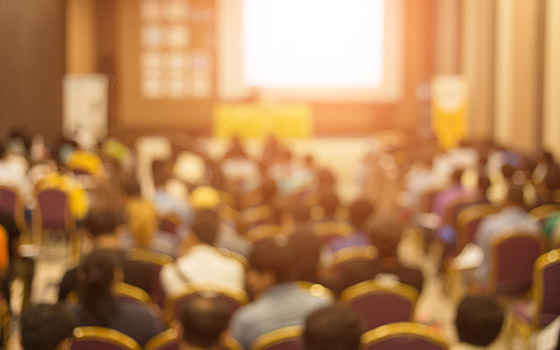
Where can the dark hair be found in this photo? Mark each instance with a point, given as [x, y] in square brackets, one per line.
[273, 255]
[479, 320]
[457, 175]
[334, 327]
[160, 171]
[204, 319]
[205, 226]
[306, 250]
[96, 298]
[385, 234]
[44, 327]
[515, 195]
[329, 202]
[102, 222]
[300, 212]
[359, 211]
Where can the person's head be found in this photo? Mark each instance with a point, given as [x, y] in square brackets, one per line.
[385, 234]
[359, 211]
[204, 320]
[47, 327]
[507, 171]
[483, 184]
[479, 320]
[98, 275]
[298, 212]
[205, 226]
[161, 170]
[270, 262]
[102, 223]
[329, 202]
[334, 327]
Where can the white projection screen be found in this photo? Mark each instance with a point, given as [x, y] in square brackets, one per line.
[311, 50]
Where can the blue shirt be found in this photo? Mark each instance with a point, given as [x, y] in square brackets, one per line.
[280, 306]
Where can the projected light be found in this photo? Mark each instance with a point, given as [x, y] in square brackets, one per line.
[313, 43]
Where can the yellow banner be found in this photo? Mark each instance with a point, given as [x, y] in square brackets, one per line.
[449, 109]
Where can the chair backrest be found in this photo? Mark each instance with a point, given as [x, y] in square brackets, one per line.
[381, 302]
[154, 261]
[261, 214]
[99, 338]
[468, 220]
[9, 199]
[166, 340]
[288, 338]
[512, 258]
[317, 290]
[541, 212]
[234, 298]
[403, 336]
[131, 293]
[54, 207]
[170, 223]
[350, 254]
[547, 288]
[263, 231]
[329, 230]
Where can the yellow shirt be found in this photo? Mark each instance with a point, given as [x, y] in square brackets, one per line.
[86, 161]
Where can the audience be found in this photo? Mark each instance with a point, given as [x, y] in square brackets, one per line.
[479, 321]
[333, 327]
[47, 327]
[204, 321]
[280, 302]
[99, 306]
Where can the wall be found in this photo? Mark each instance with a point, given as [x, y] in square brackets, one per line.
[32, 56]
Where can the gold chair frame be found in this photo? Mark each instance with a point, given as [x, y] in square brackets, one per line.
[276, 337]
[106, 334]
[399, 329]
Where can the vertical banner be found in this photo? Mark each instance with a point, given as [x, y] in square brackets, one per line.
[85, 106]
[449, 109]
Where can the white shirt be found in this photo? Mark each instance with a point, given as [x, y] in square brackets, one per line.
[202, 264]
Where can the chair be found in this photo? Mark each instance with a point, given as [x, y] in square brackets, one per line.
[131, 293]
[99, 338]
[329, 230]
[11, 203]
[287, 338]
[52, 213]
[166, 340]
[544, 306]
[349, 254]
[403, 336]
[381, 302]
[512, 257]
[233, 297]
[468, 220]
[154, 262]
[262, 232]
[170, 223]
[541, 212]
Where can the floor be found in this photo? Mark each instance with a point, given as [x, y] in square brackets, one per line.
[343, 156]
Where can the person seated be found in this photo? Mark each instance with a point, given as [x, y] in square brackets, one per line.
[329, 203]
[359, 212]
[333, 327]
[454, 192]
[102, 226]
[385, 234]
[281, 302]
[98, 305]
[46, 327]
[478, 322]
[307, 252]
[165, 201]
[203, 323]
[202, 262]
[142, 229]
[513, 216]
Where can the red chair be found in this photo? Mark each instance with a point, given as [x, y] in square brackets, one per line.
[11, 203]
[52, 214]
[98, 338]
[379, 303]
[544, 307]
[468, 220]
[154, 262]
[403, 336]
[288, 338]
[170, 223]
[512, 258]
